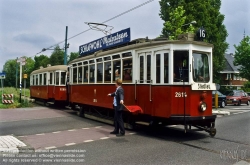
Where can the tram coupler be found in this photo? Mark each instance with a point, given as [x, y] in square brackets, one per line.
[210, 130]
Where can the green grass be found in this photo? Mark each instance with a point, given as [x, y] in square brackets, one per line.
[16, 99]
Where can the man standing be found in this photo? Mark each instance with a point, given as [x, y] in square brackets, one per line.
[118, 107]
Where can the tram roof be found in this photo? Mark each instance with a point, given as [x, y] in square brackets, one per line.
[50, 68]
[139, 43]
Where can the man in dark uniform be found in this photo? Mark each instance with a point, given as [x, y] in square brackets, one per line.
[118, 107]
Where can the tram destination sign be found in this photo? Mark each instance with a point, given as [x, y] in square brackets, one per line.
[108, 41]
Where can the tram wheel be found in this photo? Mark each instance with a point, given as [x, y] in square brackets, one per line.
[212, 132]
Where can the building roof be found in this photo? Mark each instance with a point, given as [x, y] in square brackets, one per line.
[230, 67]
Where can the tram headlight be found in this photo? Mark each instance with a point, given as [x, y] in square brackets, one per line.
[203, 106]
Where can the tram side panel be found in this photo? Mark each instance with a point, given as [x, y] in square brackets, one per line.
[60, 93]
[96, 94]
[180, 99]
[40, 92]
[161, 101]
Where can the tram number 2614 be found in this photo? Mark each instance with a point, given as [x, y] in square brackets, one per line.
[180, 94]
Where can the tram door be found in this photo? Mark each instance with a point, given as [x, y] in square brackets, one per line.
[50, 85]
[144, 90]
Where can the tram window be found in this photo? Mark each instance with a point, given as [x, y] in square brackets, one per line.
[127, 68]
[80, 75]
[63, 78]
[40, 79]
[181, 66]
[107, 72]
[99, 72]
[51, 78]
[128, 54]
[148, 68]
[200, 68]
[116, 70]
[141, 68]
[92, 73]
[75, 75]
[92, 61]
[107, 58]
[85, 63]
[99, 60]
[166, 69]
[86, 74]
[34, 80]
[31, 80]
[37, 80]
[116, 56]
[45, 79]
[158, 68]
[57, 78]
[79, 64]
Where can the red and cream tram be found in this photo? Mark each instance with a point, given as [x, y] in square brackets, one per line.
[150, 81]
[48, 84]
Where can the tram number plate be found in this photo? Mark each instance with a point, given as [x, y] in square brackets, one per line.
[180, 94]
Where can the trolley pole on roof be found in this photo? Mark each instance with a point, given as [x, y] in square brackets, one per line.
[65, 52]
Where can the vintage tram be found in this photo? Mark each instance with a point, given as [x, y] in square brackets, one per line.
[148, 70]
[49, 84]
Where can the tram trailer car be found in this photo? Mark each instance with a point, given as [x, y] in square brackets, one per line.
[147, 68]
[49, 84]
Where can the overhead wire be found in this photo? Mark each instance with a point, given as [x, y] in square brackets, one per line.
[136, 7]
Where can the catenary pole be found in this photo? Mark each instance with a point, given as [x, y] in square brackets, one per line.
[65, 52]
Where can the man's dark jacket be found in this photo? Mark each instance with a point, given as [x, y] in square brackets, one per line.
[119, 95]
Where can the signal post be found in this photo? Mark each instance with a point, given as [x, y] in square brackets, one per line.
[22, 62]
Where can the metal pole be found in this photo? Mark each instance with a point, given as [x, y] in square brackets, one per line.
[24, 88]
[20, 79]
[65, 52]
[16, 73]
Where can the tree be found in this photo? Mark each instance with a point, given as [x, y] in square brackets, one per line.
[73, 55]
[41, 60]
[10, 70]
[28, 68]
[57, 57]
[242, 57]
[207, 15]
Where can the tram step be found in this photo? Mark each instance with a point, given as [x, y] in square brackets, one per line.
[142, 123]
[50, 103]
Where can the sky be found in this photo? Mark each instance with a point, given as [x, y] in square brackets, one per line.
[28, 26]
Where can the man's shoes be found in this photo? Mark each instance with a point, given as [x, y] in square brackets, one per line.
[113, 132]
[119, 135]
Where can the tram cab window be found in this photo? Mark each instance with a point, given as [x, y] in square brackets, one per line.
[34, 79]
[75, 75]
[127, 70]
[99, 72]
[45, 79]
[86, 74]
[200, 68]
[57, 78]
[63, 78]
[181, 66]
[107, 72]
[116, 70]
